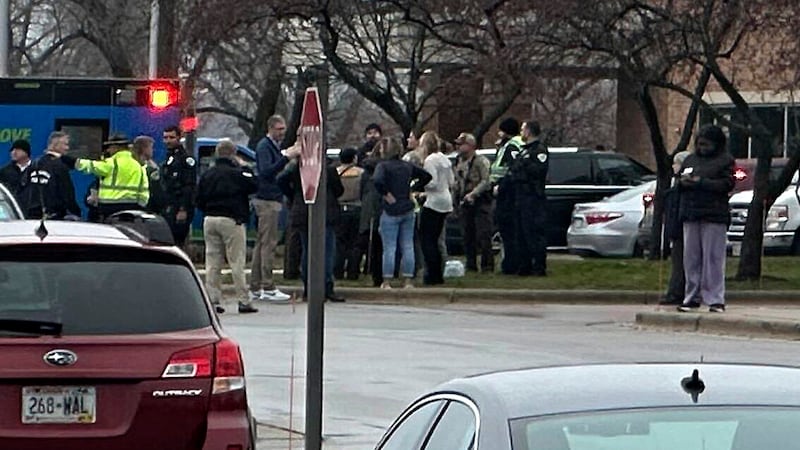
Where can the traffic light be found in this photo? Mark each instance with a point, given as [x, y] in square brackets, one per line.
[162, 97]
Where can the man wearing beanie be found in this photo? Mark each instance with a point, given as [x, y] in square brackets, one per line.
[372, 134]
[11, 175]
[509, 146]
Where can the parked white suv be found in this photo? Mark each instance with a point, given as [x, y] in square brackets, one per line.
[782, 226]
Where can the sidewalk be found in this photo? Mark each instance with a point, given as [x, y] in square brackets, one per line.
[774, 321]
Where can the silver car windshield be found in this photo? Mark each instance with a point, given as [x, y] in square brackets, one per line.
[696, 428]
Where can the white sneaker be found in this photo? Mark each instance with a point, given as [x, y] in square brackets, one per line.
[254, 295]
[274, 296]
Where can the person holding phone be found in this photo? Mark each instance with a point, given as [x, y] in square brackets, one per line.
[706, 179]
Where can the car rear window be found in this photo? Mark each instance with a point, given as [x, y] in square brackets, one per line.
[7, 211]
[100, 290]
[703, 428]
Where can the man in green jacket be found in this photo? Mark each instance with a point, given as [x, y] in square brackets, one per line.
[124, 183]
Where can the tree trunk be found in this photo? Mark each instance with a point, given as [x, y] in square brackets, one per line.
[305, 79]
[753, 240]
[268, 102]
[663, 167]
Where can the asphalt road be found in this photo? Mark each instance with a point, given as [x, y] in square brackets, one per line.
[379, 358]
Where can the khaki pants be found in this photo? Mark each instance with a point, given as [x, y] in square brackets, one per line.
[264, 250]
[225, 239]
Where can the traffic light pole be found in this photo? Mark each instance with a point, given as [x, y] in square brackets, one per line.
[315, 328]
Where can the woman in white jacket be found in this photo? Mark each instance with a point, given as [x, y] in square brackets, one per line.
[438, 204]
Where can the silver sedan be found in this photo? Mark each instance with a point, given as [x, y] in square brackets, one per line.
[609, 227]
[620, 407]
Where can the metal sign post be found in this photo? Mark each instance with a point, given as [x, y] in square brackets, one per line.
[313, 179]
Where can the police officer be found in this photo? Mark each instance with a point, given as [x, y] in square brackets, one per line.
[528, 172]
[223, 196]
[47, 190]
[508, 146]
[179, 178]
[123, 181]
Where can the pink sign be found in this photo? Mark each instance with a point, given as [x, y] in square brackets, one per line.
[312, 152]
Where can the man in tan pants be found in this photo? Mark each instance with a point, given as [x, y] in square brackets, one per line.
[223, 196]
[268, 204]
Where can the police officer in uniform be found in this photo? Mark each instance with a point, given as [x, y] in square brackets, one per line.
[179, 178]
[123, 181]
[508, 147]
[528, 172]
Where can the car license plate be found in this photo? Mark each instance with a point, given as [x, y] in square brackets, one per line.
[736, 249]
[58, 404]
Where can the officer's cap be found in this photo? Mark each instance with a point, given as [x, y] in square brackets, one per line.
[118, 139]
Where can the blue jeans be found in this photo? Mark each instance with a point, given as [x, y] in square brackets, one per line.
[398, 231]
[330, 257]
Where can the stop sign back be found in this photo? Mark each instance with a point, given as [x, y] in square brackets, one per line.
[311, 137]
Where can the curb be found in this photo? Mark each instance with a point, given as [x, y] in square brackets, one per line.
[721, 324]
[564, 296]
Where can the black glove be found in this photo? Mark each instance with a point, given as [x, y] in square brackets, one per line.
[69, 161]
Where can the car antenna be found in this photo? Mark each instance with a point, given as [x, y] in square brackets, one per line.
[693, 385]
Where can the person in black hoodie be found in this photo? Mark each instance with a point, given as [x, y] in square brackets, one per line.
[393, 181]
[47, 188]
[223, 194]
[706, 179]
[290, 184]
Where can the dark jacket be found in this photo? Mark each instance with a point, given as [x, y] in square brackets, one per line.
[158, 197]
[11, 177]
[224, 191]
[673, 228]
[396, 176]
[291, 186]
[370, 198]
[270, 162]
[179, 179]
[707, 200]
[47, 180]
[528, 171]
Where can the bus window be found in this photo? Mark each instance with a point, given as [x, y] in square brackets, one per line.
[85, 137]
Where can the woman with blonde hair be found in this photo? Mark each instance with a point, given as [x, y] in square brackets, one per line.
[438, 204]
[393, 181]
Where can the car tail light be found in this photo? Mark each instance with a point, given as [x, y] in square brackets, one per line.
[194, 363]
[598, 217]
[162, 97]
[228, 367]
[739, 174]
[223, 361]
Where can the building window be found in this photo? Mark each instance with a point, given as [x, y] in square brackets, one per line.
[783, 121]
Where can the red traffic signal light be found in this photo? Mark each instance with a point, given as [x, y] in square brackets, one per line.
[162, 97]
[189, 124]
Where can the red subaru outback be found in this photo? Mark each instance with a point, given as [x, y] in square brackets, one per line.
[110, 342]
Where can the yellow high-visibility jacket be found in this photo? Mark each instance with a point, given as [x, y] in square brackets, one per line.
[122, 178]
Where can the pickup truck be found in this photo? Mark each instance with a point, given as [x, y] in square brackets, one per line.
[782, 225]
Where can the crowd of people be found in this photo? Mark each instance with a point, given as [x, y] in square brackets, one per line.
[395, 196]
[387, 208]
[388, 203]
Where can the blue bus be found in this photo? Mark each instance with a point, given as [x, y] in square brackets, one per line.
[88, 110]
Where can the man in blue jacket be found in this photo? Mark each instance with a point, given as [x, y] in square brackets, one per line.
[268, 204]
